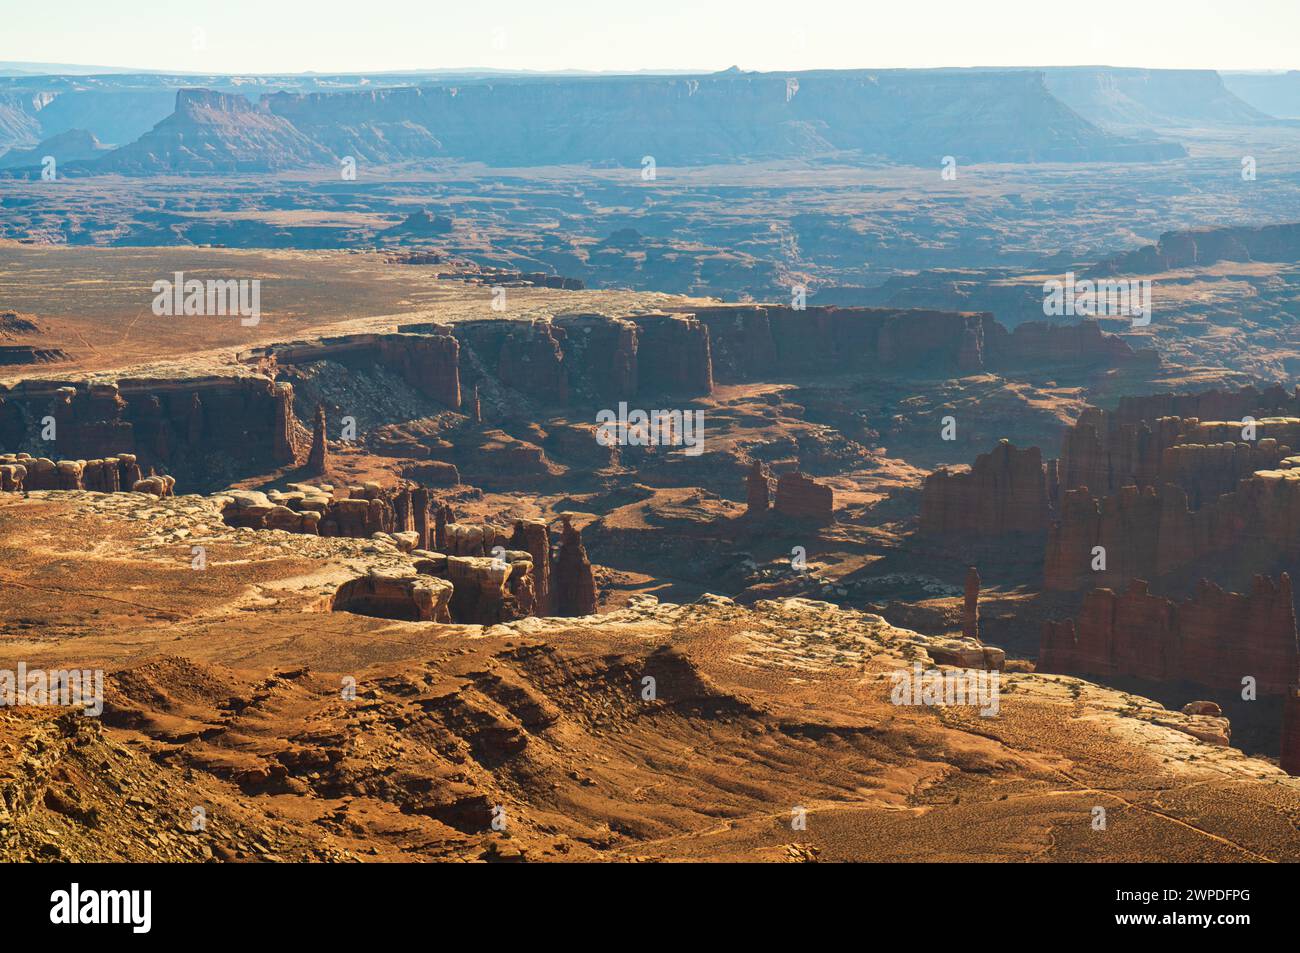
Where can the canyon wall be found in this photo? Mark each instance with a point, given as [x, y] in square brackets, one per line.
[1105, 450]
[586, 357]
[751, 342]
[1215, 638]
[1152, 532]
[428, 361]
[203, 431]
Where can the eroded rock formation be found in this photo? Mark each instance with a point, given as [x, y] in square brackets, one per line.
[498, 575]
[802, 498]
[758, 490]
[120, 473]
[485, 590]
[318, 457]
[970, 610]
[534, 538]
[1151, 533]
[414, 598]
[574, 582]
[1004, 492]
[1215, 638]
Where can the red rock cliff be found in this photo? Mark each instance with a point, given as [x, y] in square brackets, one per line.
[1152, 533]
[1005, 491]
[1215, 638]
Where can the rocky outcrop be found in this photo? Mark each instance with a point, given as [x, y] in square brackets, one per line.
[799, 497]
[318, 456]
[413, 598]
[435, 473]
[970, 610]
[13, 355]
[155, 485]
[358, 512]
[1215, 638]
[534, 538]
[1004, 492]
[498, 575]
[485, 590]
[758, 490]
[574, 582]
[23, 472]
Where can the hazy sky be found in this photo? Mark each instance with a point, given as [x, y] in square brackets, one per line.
[349, 35]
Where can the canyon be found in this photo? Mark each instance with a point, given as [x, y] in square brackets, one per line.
[617, 464]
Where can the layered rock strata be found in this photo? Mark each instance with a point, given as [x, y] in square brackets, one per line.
[192, 428]
[1215, 638]
[1150, 533]
[802, 498]
[1004, 492]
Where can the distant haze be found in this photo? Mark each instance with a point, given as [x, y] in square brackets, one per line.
[253, 36]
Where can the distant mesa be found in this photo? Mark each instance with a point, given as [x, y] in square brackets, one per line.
[1113, 96]
[909, 116]
[420, 224]
[624, 238]
[1208, 246]
[66, 147]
